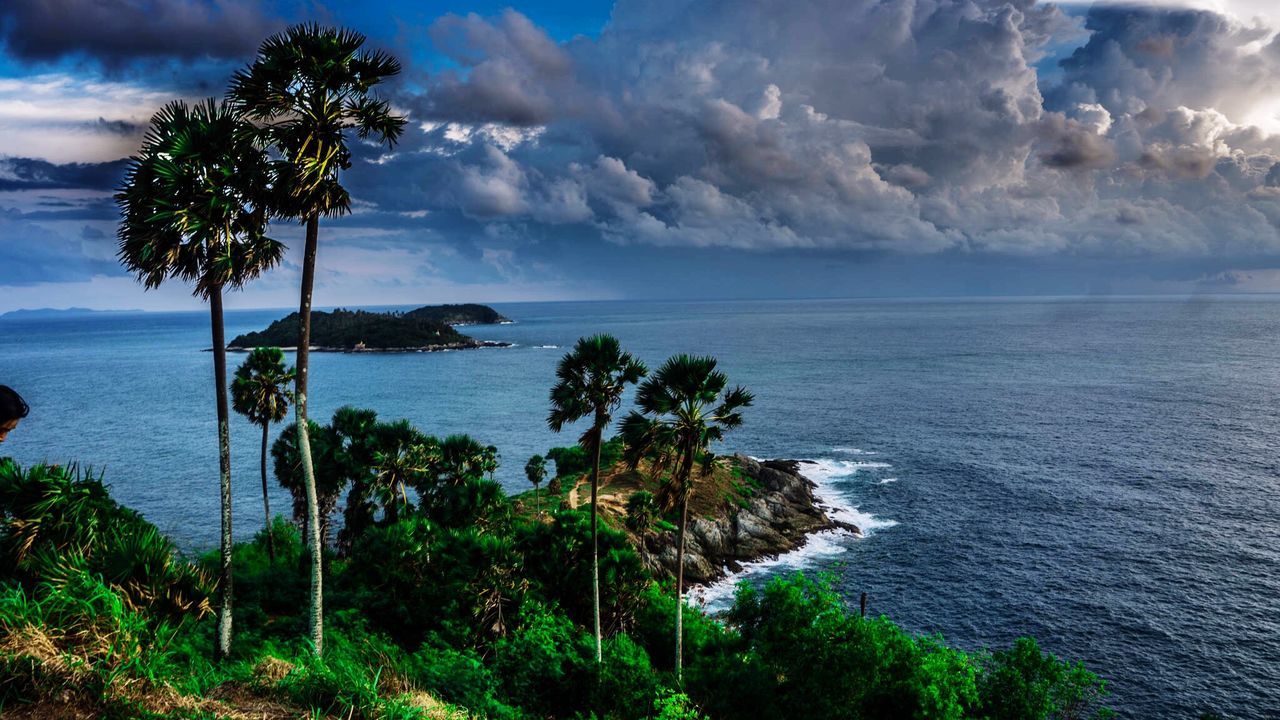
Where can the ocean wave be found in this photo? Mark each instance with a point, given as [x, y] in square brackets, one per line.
[886, 481]
[718, 596]
[825, 474]
[546, 347]
[854, 451]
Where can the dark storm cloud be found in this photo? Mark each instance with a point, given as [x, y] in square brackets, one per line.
[118, 31]
[28, 173]
[1075, 146]
[115, 127]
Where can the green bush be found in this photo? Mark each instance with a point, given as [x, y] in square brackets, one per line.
[544, 665]
[576, 461]
[56, 522]
[74, 635]
[557, 564]
[1023, 683]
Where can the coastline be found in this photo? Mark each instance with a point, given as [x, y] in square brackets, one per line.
[846, 523]
[782, 517]
[477, 345]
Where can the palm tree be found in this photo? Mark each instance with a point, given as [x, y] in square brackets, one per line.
[260, 393]
[192, 209]
[403, 455]
[308, 88]
[591, 380]
[683, 409]
[536, 471]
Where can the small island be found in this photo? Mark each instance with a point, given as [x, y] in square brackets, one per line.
[426, 329]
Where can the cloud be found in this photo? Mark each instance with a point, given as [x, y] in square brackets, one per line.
[115, 32]
[32, 253]
[62, 118]
[18, 173]
[910, 126]
[821, 134]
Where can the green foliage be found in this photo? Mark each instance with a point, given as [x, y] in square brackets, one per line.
[192, 202]
[575, 460]
[260, 388]
[58, 523]
[558, 563]
[798, 650]
[642, 512]
[794, 650]
[676, 706]
[346, 328]
[75, 636]
[1023, 683]
[536, 470]
[330, 471]
[491, 616]
[541, 664]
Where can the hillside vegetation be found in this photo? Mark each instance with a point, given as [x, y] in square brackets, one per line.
[449, 600]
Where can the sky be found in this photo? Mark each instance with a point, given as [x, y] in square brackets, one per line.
[693, 149]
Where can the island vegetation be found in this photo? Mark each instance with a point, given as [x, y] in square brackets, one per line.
[425, 329]
[407, 583]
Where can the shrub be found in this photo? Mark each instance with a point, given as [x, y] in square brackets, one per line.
[557, 563]
[544, 666]
[1023, 683]
[57, 522]
[75, 635]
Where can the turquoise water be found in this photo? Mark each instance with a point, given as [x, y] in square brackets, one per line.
[1101, 474]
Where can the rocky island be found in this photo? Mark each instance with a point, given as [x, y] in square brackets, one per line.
[426, 329]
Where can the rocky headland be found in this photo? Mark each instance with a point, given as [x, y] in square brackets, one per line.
[776, 518]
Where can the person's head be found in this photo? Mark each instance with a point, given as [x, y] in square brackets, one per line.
[12, 409]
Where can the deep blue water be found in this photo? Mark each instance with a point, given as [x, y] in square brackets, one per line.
[1101, 474]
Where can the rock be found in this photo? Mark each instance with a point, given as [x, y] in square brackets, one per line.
[775, 520]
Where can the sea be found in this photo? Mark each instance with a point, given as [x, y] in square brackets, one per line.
[1100, 473]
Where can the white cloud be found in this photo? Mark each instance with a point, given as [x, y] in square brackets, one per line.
[61, 118]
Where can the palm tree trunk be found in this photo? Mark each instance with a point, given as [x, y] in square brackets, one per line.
[595, 548]
[685, 470]
[301, 364]
[684, 522]
[223, 648]
[266, 504]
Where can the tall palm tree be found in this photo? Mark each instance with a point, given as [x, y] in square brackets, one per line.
[260, 392]
[192, 209]
[683, 409]
[536, 471]
[308, 89]
[591, 380]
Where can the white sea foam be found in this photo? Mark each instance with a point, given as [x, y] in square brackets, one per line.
[886, 481]
[718, 596]
[854, 451]
[825, 474]
[546, 347]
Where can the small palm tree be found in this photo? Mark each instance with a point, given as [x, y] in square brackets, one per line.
[403, 457]
[308, 89]
[260, 392]
[591, 380]
[683, 409]
[192, 207]
[536, 471]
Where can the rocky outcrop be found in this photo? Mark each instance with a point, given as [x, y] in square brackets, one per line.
[775, 518]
